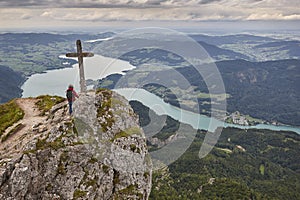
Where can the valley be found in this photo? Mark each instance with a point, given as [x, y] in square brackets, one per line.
[261, 85]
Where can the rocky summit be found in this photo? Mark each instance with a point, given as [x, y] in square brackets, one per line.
[99, 152]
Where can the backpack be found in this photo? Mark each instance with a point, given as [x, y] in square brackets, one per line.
[69, 95]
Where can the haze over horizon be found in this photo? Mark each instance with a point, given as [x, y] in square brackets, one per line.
[206, 15]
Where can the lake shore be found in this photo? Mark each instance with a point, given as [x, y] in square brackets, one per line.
[55, 82]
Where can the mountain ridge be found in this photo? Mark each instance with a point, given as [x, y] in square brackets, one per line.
[52, 155]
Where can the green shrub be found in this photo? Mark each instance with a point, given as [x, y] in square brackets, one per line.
[10, 113]
[79, 194]
[46, 102]
[12, 131]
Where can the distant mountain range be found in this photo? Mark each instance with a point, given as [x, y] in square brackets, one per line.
[255, 48]
[9, 39]
[227, 47]
[150, 55]
[232, 39]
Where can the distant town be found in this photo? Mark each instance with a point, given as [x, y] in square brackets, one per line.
[245, 120]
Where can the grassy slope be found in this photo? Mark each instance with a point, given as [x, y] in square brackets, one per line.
[10, 113]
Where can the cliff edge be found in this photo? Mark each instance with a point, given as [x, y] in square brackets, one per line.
[98, 153]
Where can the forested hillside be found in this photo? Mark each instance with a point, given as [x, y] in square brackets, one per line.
[265, 90]
[244, 164]
[10, 82]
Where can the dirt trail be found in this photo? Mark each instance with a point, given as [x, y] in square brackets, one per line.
[19, 138]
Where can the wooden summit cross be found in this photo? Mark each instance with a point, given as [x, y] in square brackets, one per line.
[80, 56]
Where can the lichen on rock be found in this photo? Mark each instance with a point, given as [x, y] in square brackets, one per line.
[99, 153]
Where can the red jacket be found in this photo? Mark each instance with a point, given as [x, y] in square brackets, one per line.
[74, 94]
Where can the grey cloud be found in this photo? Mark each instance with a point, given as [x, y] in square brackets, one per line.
[75, 4]
[155, 2]
[208, 1]
[24, 3]
[132, 10]
[100, 4]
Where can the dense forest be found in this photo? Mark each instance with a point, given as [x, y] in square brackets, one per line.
[10, 82]
[244, 164]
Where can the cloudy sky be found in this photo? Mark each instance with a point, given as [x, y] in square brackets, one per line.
[136, 13]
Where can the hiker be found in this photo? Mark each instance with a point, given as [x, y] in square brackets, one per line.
[71, 95]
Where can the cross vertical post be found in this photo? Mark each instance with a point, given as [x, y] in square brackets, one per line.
[80, 56]
[81, 69]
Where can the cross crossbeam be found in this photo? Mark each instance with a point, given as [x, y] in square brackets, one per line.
[80, 55]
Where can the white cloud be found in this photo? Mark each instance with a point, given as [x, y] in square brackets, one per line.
[47, 14]
[26, 16]
[273, 16]
[14, 13]
[132, 14]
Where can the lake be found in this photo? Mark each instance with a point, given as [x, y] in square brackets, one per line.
[195, 120]
[55, 82]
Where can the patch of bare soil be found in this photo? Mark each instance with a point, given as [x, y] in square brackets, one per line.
[22, 131]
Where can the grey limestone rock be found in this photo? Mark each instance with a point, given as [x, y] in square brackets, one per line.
[99, 153]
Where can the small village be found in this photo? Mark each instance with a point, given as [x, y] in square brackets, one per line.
[240, 119]
[246, 120]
